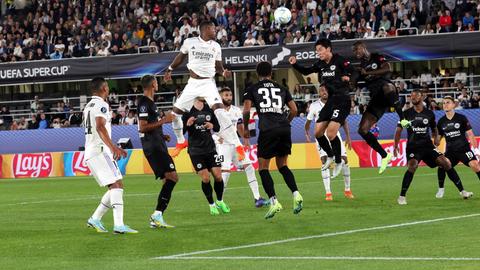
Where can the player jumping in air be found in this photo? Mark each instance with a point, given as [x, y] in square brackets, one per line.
[101, 155]
[228, 150]
[199, 122]
[376, 71]
[453, 126]
[334, 72]
[155, 149]
[274, 140]
[420, 146]
[313, 113]
[204, 61]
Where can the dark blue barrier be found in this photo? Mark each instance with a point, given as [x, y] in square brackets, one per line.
[70, 139]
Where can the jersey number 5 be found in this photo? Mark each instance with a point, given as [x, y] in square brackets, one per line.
[270, 98]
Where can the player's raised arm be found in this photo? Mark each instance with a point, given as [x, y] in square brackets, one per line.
[103, 133]
[305, 70]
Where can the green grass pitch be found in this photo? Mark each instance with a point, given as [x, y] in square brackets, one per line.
[43, 225]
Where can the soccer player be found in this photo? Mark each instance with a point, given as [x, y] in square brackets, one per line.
[453, 126]
[155, 149]
[199, 123]
[101, 155]
[420, 146]
[274, 140]
[227, 151]
[334, 72]
[313, 113]
[376, 72]
[204, 61]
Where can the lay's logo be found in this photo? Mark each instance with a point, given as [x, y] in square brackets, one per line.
[79, 166]
[32, 165]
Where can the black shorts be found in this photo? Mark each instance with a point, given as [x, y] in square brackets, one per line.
[336, 109]
[464, 156]
[378, 104]
[428, 154]
[275, 142]
[161, 162]
[206, 161]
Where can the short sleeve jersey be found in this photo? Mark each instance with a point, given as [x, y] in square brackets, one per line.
[269, 99]
[202, 56]
[96, 107]
[454, 132]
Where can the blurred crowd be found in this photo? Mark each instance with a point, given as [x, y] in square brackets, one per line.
[56, 29]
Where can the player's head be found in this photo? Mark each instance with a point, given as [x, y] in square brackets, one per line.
[227, 96]
[264, 70]
[149, 82]
[323, 93]
[323, 47]
[207, 30]
[416, 97]
[360, 49]
[449, 104]
[99, 87]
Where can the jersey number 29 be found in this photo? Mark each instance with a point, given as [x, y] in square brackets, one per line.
[270, 98]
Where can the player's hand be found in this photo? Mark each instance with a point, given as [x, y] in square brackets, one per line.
[227, 73]
[168, 75]
[345, 78]
[118, 153]
[348, 143]
[167, 138]
[220, 140]
[190, 121]
[307, 137]
[208, 125]
[292, 60]
[168, 117]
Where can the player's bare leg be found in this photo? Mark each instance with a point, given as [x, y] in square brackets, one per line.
[366, 123]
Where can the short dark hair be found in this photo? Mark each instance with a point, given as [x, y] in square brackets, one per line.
[225, 89]
[264, 69]
[326, 43]
[450, 98]
[97, 83]
[204, 24]
[147, 80]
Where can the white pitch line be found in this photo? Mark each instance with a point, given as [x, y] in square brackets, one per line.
[325, 235]
[89, 197]
[339, 258]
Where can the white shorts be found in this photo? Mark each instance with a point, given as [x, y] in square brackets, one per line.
[205, 88]
[105, 169]
[324, 154]
[230, 157]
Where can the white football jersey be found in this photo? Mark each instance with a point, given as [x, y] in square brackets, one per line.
[96, 107]
[236, 116]
[314, 111]
[202, 55]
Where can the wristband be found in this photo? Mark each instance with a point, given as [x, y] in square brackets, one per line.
[170, 68]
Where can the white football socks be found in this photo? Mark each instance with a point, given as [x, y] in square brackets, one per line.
[252, 181]
[116, 199]
[103, 206]
[177, 125]
[346, 176]
[326, 180]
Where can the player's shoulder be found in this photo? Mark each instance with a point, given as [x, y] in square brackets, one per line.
[442, 119]
[460, 116]
[316, 104]
[235, 109]
[378, 56]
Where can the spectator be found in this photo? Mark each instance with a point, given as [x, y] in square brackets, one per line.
[468, 19]
[250, 40]
[22, 124]
[426, 78]
[298, 37]
[445, 20]
[75, 118]
[33, 124]
[43, 123]
[122, 108]
[34, 105]
[458, 26]
[56, 123]
[428, 30]
[7, 119]
[233, 42]
[369, 33]
[130, 119]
